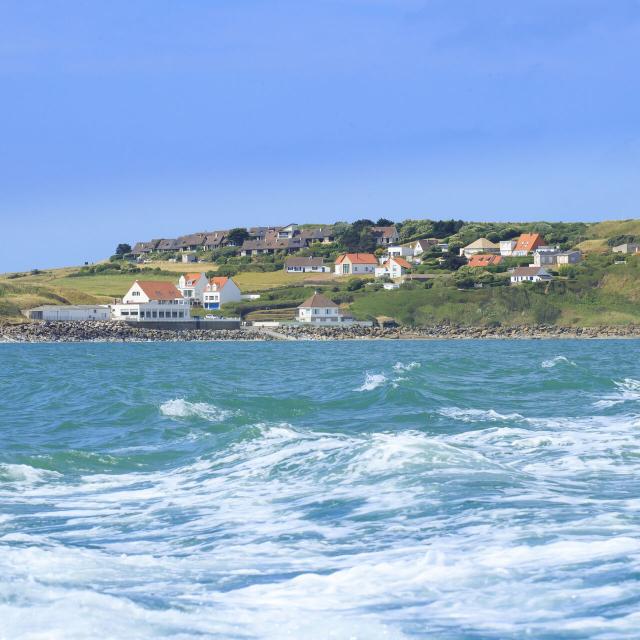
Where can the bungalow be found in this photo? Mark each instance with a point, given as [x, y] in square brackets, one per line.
[481, 245]
[552, 257]
[270, 245]
[629, 247]
[192, 286]
[69, 313]
[219, 291]
[324, 235]
[152, 300]
[393, 268]
[507, 247]
[527, 243]
[192, 242]
[319, 309]
[305, 265]
[215, 240]
[484, 260]
[351, 264]
[168, 244]
[385, 235]
[140, 248]
[530, 274]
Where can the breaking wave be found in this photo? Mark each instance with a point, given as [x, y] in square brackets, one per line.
[552, 362]
[180, 408]
[372, 381]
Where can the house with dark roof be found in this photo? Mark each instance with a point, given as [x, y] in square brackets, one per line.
[142, 248]
[191, 242]
[215, 240]
[305, 265]
[385, 235]
[271, 245]
[168, 244]
[319, 309]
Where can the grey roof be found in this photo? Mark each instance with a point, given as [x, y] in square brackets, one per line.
[317, 300]
[529, 271]
[304, 262]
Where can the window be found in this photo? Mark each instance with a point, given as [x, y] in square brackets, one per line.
[155, 314]
[174, 314]
[124, 313]
[161, 314]
[135, 293]
[181, 314]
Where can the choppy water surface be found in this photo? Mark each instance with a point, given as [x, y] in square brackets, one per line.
[320, 490]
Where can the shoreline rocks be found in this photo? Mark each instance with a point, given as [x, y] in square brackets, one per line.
[119, 332]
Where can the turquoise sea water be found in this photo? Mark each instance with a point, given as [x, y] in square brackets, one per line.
[449, 490]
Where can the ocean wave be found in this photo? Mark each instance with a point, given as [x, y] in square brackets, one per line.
[399, 366]
[372, 381]
[479, 415]
[629, 391]
[180, 408]
[25, 473]
[552, 362]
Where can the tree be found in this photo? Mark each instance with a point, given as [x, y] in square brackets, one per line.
[384, 222]
[123, 249]
[237, 236]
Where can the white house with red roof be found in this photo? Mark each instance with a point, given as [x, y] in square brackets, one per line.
[192, 286]
[219, 291]
[352, 264]
[152, 300]
[394, 267]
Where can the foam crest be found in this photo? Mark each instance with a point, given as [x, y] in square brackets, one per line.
[553, 362]
[479, 415]
[372, 381]
[399, 366]
[180, 408]
[628, 391]
[23, 473]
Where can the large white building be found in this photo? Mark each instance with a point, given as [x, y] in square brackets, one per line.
[219, 291]
[319, 309]
[152, 300]
[71, 313]
[353, 264]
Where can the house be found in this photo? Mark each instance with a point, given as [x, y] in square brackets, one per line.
[351, 264]
[319, 309]
[288, 231]
[507, 247]
[215, 240]
[168, 244]
[420, 246]
[481, 245]
[552, 257]
[192, 242]
[530, 274]
[189, 258]
[219, 291]
[484, 260]
[69, 313]
[192, 286]
[324, 235]
[141, 248]
[400, 251]
[393, 268]
[629, 247]
[152, 300]
[271, 244]
[385, 235]
[305, 265]
[527, 243]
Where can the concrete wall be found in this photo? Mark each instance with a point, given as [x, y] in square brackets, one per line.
[195, 323]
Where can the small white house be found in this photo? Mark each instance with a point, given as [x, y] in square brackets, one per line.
[319, 309]
[351, 264]
[393, 268]
[192, 286]
[69, 313]
[152, 300]
[305, 265]
[219, 291]
[530, 274]
[400, 251]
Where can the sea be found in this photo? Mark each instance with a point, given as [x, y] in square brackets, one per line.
[349, 490]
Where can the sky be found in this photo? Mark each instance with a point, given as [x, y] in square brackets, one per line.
[135, 119]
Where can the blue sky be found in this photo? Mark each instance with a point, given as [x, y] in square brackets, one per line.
[131, 119]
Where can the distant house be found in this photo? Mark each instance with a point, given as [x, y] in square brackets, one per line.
[393, 268]
[219, 291]
[69, 313]
[400, 251]
[507, 247]
[420, 246]
[481, 245]
[527, 243]
[530, 274]
[385, 235]
[305, 265]
[192, 242]
[484, 260]
[152, 300]
[319, 309]
[189, 258]
[324, 235]
[142, 248]
[192, 286]
[351, 264]
[288, 231]
[272, 244]
[215, 240]
[629, 247]
[168, 244]
[553, 257]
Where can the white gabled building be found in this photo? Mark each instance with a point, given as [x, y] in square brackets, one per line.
[219, 291]
[319, 309]
[192, 286]
[530, 274]
[353, 264]
[393, 268]
[152, 300]
[400, 251]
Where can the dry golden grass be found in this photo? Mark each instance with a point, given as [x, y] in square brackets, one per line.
[611, 228]
[259, 281]
[593, 246]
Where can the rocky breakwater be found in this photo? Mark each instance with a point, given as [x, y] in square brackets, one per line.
[453, 332]
[91, 331]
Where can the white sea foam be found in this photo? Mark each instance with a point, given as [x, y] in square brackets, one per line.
[399, 366]
[628, 391]
[25, 473]
[478, 415]
[372, 381]
[180, 408]
[552, 362]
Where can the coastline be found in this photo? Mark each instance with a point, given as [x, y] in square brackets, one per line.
[73, 332]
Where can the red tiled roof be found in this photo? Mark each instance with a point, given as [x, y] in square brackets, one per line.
[484, 260]
[158, 290]
[219, 281]
[192, 277]
[357, 258]
[528, 242]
